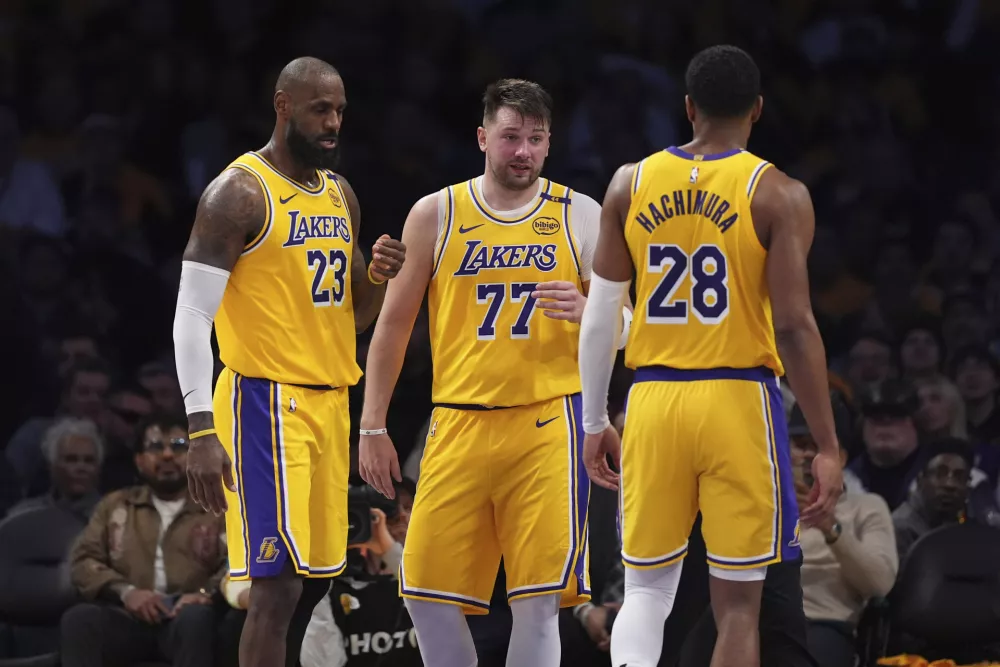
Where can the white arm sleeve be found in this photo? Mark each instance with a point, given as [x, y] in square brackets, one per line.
[599, 332]
[585, 225]
[198, 299]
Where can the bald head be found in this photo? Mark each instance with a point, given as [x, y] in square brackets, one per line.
[304, 72]
[309, 101]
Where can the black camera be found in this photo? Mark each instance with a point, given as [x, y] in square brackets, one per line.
[361, 500]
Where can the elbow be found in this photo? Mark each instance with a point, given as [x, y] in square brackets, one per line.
[793, 329]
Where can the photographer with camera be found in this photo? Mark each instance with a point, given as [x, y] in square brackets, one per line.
[362, 621]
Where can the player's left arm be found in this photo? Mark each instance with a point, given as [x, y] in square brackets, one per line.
[600, 328]
[368, 281]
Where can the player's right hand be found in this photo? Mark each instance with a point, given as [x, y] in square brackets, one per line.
[596, 448]
[145, 605]
[379, 464]
[208, 468]
[828, 484]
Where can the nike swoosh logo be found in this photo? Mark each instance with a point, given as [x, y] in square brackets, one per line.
[285, 200]
[187, 394]
[539, 424]
[463, 230]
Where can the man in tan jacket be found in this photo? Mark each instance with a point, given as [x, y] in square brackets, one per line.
[147, 564]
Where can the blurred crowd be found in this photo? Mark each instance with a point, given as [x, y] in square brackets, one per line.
[115, 114]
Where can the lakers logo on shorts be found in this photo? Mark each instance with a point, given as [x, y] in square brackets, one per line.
[334, 197]
[545, 226]
[268, 550]
[795, 540]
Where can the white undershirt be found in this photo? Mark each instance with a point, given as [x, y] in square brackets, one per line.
[584, 221]
[168, 510]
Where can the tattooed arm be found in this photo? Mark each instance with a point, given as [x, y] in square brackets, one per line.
[231, 212]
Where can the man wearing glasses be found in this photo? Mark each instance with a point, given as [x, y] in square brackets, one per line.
[147, 565]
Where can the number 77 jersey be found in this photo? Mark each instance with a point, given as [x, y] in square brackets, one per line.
[491, 344]
[702, 298]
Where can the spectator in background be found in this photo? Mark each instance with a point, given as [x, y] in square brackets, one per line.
[29, 198]
[84, 396]
[74, 451]
[129, 405]
[847, 560]
[147, 564]
[869, 361]
[965, 322]
[942, 410]
[921, 353]
[362, 621]
[890, 460]
[977, 376]
[941, 495]
[161, 383]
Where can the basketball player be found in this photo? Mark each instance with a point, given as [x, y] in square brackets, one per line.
[501, 472]
[718, 240]
[275, 251]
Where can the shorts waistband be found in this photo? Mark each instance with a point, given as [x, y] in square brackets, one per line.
[314, 387]
[474, 407]
[667, 374]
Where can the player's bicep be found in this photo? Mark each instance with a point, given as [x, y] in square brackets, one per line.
[405, 292]
[612, 260]
[792, 223]
[232, 210]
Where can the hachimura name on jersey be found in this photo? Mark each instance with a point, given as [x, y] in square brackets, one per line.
[705, 428]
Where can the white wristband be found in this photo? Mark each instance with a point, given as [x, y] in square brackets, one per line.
[372, 431]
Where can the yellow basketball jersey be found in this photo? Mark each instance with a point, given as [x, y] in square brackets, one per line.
[287, 314]
[490, 345]
[702, 299]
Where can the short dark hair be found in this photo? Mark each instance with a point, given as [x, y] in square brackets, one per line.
[528, 98]
[164, 420]
[723, 81]
[949, 445]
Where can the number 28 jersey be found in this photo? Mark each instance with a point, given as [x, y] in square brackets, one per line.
[702, 298]
[287, 313]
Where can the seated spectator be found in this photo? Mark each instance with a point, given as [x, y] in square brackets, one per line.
[74, 451]
[29, 197]
[941, 496]
[847, 560]
[84, 395]
[977, 376]
[363, 620]
[890, 460]
[942, 410]
[920, 352]
[869, 361]
[147, 564]
[161, 383]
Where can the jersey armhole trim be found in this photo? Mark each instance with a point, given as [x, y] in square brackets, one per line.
[755, 178]
[573, 250]
[636, 177]
[265, 231]
[445, 219]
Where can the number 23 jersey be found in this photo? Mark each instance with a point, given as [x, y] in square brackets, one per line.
[287, 313]
[702, 298]
[490, 341]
